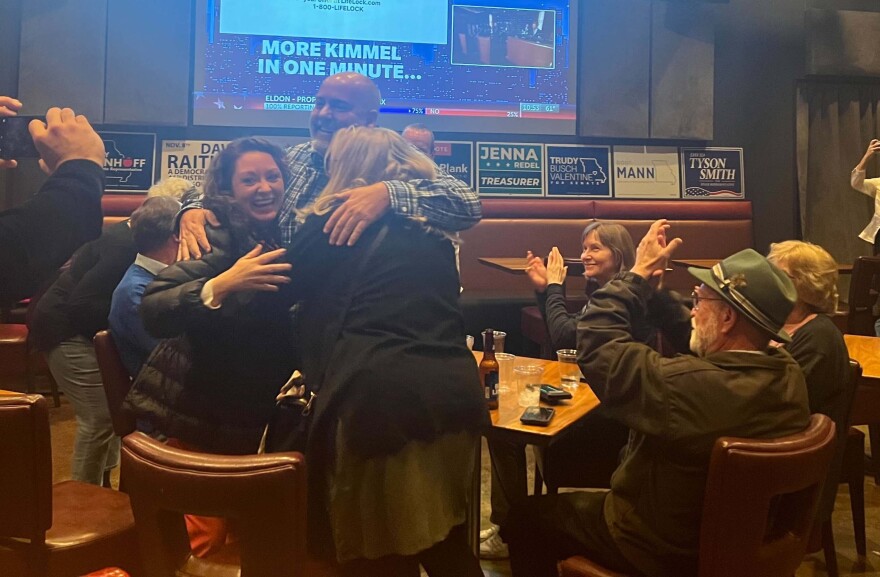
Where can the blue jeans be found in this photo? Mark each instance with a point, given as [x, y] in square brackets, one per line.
[96, 448]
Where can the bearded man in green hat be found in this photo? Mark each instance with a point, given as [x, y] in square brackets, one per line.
[734, 384]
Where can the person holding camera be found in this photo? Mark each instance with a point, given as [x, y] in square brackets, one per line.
[37, 237]
[870, 187]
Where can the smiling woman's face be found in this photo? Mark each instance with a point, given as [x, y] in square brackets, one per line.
[599, 262]
[257, 185]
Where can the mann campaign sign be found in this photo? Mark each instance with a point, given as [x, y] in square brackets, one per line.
[712, 173]
[646, 172]
[509, 169]
[574, 170]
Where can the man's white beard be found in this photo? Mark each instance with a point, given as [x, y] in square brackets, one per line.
[702, 339]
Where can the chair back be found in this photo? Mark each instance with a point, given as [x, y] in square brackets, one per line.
[264, 494]
[116, 381]
[864, 289]
[760, 501]
[26, 472]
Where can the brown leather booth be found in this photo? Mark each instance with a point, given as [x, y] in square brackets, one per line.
[118, 207]
[510, 227]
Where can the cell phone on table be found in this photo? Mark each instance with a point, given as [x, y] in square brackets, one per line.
[551, 394]
[15, 138]
[539, 416]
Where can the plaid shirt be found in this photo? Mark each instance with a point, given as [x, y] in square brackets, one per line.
[446, 203]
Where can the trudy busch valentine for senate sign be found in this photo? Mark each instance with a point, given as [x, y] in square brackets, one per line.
[574, 170]
[508, 169]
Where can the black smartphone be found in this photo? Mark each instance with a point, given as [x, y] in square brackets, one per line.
[551, 394]
[539, 416]
[15, 139]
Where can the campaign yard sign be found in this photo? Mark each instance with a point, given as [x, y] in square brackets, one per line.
[712, 173]
[129, 158]
[510, 169]
[574, 170]
[457, 159]
[646, 172]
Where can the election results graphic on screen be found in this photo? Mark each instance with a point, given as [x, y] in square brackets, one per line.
[467, 66]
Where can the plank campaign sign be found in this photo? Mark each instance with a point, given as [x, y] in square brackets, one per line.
[510, 169]
[712, 173]
[456, 158]
[574, 170]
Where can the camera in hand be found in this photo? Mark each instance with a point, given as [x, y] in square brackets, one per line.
[15, 138]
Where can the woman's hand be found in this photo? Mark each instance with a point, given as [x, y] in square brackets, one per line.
[556, 271]
[873, 148]
[536, 272]
[252, 272]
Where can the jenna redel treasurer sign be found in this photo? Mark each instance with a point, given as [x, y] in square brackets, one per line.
[574, 170]
[712, 173]
[510, 169]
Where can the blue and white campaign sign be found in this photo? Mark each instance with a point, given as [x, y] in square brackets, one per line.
[508, 169]
[575, 170]
[456, 158]
[422, 22]
[646, 172]
[712, 173]
[129, 159]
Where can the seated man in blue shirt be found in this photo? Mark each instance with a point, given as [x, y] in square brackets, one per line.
[152, 229]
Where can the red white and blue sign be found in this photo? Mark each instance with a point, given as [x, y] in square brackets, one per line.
[712, 173]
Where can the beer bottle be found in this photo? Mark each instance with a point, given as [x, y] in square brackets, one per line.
[489, 370]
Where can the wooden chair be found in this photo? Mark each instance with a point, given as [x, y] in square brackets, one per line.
[759, 505]
[840, 471]
[265, 494]
[864, 289]
[20, 363]
[116, 382]
[47, 530]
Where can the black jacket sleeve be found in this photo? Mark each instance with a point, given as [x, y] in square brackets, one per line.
[37, 237]
[561, 325]
[172, 303]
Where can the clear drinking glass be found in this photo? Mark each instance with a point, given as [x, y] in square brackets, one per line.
[528, 384]
[569, 371]
[505, 371]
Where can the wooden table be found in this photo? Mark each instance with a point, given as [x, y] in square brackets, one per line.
[710, 262]
[866, 406]
[506, 425]
[517, 265]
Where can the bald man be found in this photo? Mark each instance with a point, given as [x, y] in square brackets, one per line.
[421, 137]
[343, 100]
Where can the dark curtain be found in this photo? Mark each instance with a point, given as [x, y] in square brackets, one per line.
[835, 122]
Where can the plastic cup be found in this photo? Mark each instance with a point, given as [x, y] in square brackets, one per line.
[528, 384]
[470, 341]
[569, 371]
[499, 337]
[505, 371]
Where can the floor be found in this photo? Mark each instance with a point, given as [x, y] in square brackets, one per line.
[63, 426]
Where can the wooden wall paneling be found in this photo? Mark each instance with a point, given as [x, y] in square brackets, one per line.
[148, 62]
[682, 70]
[614, 68]
[62, 56]
[843, 42]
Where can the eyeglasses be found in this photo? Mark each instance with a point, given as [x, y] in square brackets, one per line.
[696, 298]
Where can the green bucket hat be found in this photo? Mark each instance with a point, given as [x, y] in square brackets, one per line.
[754, 287]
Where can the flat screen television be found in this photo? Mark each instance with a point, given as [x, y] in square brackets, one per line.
[504, 66]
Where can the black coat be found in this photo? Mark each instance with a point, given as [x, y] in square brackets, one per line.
[241, 355]
[39, 236]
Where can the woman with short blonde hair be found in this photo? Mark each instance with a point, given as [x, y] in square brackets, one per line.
[812, 270]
